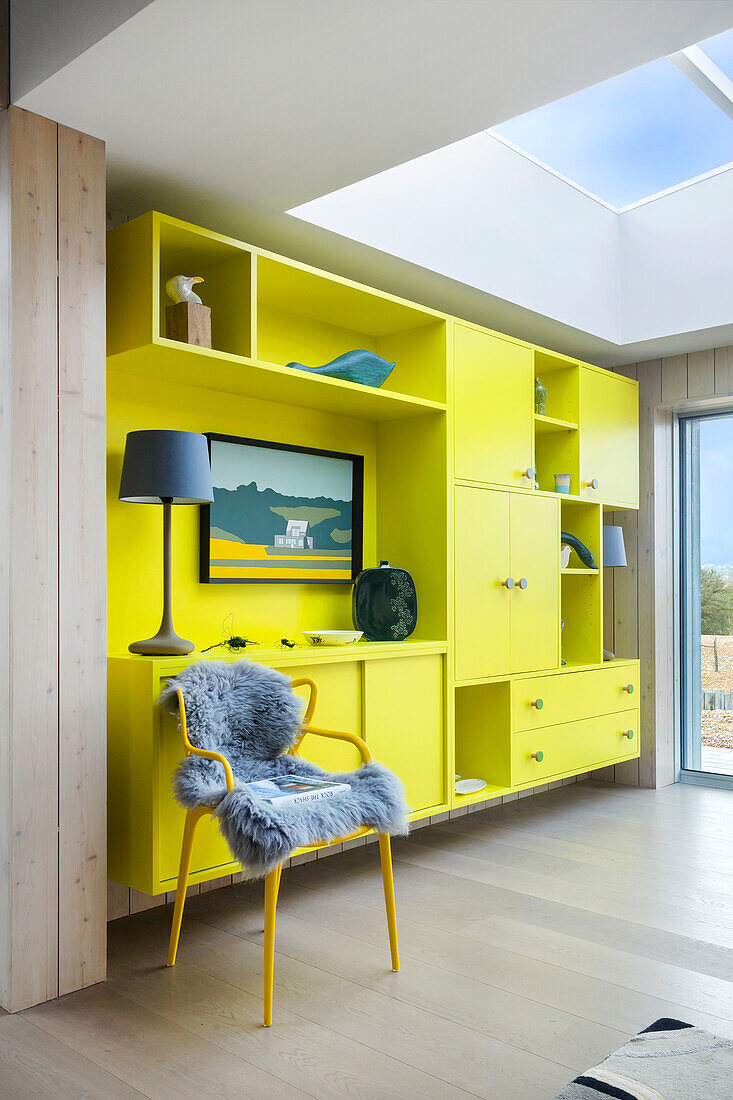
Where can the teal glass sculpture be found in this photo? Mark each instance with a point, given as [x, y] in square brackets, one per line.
[360, 366]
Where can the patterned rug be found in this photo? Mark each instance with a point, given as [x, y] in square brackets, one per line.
[668, 1061]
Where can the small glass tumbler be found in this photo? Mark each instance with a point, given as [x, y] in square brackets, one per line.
[562, 484]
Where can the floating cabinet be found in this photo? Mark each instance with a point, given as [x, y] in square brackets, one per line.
[459, 488]
[493, 409]
[507, 605]
[397, 707]
[404, 724]
[609, 438]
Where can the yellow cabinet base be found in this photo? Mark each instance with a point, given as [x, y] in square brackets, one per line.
[390, 694]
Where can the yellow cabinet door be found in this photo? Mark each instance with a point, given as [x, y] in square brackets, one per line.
[404, 724]
[609, 438]
[493, 409]
[534, 552]
[482, 601]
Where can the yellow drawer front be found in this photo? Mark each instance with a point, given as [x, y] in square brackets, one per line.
[549, 700]
[578, 746]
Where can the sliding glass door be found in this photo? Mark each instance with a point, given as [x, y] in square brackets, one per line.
[706, 596]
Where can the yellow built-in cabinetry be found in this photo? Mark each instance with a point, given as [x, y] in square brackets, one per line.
[489, 685]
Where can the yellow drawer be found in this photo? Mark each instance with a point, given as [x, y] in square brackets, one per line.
[549, 700]
[575, 747]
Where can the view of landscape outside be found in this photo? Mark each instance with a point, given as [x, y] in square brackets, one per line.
[716, 593]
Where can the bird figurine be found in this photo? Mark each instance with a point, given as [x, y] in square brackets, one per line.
[179, 288]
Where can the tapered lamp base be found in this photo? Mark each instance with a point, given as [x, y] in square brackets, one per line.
[166, 642]
[163, 645]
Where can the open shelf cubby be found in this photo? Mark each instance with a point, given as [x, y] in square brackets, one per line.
[581, 587]
[557, 440]
[226, 269]
[483, 745]
[307, 317]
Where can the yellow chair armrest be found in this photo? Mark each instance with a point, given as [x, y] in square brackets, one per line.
[191, 750]
[312, 698]
[337, 735]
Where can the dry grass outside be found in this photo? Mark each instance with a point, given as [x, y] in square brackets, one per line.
[717, 725]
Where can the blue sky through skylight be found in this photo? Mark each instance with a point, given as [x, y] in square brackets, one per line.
[629, 137]
[720, 50]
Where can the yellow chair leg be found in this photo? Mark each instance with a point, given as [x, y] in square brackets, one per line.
[272, 886]
[192, 819]
[385, 855]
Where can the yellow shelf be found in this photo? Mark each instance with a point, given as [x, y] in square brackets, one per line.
[209, 369]
[545, 425]
[283, 655]
[580, 572]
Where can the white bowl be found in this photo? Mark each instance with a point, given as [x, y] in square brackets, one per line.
[469, 786]
[333, 637]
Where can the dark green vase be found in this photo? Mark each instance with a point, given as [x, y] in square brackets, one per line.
[385, 604]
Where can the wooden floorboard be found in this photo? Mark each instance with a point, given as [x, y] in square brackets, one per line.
[535, 938]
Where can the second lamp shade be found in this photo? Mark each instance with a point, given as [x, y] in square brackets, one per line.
[614, 551]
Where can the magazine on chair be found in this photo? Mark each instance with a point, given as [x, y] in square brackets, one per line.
[286, 789]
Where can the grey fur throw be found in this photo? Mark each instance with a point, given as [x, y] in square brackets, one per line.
[249, 714]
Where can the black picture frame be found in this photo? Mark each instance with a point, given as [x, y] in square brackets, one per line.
[357, 508]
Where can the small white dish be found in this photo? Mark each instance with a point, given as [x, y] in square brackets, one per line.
[469, 786]
[333, 637]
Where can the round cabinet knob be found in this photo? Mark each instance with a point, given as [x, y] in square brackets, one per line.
[593, 484]
[629, 688]
[522, 582]
[529, 473]
[628, 733]
[539, 756]
[508, 583]
[537, 703]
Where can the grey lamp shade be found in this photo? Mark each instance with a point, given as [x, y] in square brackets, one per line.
[614, 551]
[166, 466]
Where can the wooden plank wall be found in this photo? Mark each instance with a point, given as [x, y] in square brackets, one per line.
[52, 575]
[639, 611]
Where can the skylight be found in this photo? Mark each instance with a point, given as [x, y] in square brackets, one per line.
[632, 136]
[720, 51]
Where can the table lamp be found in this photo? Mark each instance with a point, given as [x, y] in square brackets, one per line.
[165, 467]
[614, 556]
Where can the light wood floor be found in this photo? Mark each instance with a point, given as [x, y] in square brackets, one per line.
[536, 937]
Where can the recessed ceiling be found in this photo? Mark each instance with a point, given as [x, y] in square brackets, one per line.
[232, 112]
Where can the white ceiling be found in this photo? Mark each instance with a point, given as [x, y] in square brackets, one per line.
[230, 112]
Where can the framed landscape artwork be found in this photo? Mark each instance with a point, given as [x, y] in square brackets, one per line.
[281, 514]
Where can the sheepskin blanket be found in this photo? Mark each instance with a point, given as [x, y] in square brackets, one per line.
[249, 714]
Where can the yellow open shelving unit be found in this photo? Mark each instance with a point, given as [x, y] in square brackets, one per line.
[450, 446]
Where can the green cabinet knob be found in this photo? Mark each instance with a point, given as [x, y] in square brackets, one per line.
[629, 688]
[537, 703]
[539, 756]
[629, 734]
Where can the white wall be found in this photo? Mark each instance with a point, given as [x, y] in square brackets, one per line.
[480, 213]
[676, 262]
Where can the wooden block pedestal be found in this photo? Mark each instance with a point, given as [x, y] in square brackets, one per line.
[189, 322]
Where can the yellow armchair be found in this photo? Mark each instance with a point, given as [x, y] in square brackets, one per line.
[272, 880]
